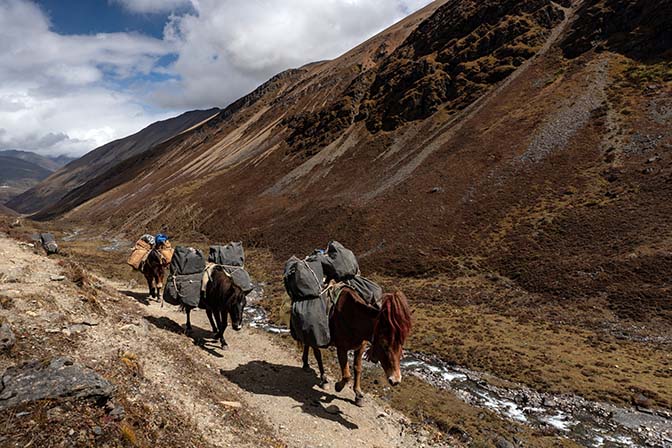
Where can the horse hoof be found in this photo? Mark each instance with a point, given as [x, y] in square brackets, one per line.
[225, 346]
[359, 401]
[306, 368]
[324, 384]
[340, 386]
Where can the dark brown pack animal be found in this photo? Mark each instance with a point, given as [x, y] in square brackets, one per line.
[223, 299]
[353, 323]
[154, 269]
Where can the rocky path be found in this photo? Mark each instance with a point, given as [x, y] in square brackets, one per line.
[253, 394]
[270, 380]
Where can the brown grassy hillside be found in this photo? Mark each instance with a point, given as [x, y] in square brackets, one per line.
[80, 172]
[517, 135]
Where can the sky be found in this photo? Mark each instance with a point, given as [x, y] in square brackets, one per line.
[76, 74]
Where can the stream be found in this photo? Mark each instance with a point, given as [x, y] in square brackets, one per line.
[591, 424]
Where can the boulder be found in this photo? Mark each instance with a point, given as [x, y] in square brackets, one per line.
[59, 378]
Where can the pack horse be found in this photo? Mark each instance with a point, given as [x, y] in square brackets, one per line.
[219, 285]
[151, 255]
[350, 313]
[224, 286]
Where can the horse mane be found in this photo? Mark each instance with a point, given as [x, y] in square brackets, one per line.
[394, 320]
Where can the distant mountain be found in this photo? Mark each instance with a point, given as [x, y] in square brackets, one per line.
[5, 211]
[46, 162]
[21, 170]
[62, 160]
[80, 171]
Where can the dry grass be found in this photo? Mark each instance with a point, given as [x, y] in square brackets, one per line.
[128, 434]
[649, 73]
[484, 324]
[132, 363]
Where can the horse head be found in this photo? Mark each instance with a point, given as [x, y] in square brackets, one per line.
[236, 308]
[390, 332]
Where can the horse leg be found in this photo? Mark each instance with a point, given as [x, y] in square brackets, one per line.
[152, 290]
[208, 312]
[150, 285]
[218, 324]
[225, 322]
[304, 358]
[318, 357]
[187, 330]
[158, 282]
[345, 369]
[359, 395]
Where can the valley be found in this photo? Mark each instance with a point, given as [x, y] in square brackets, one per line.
[521, 362]
[506, 164]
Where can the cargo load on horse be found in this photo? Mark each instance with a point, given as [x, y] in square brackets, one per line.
[140, 252]
[231, 258]
[341, 266]
[49, 243]
[367, 289]
[184, 282]
[339, 263]
[165, 248]
[231, 254]
[309, 322]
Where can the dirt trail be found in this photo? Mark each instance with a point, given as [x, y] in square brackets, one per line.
[271, 381]
[253, 394]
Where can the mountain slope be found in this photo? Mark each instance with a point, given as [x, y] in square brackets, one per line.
[507, 138]
[22, 170]
[48, 163]
[18, 175]
[101, 159]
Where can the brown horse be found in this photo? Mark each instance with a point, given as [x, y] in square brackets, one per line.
[223, 299]
[353, 322]
[154, 270]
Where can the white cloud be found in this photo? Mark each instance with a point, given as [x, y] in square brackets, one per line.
[72, 93]
[57, 93]
[228, 47]
[152, 6]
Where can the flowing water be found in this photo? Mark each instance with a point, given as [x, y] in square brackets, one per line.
[589, 423]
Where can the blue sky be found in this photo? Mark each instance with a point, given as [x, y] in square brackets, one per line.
[77, 74]
[101, 16]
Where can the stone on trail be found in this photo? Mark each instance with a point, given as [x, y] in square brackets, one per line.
[503, 443]
[232, 404]
[7, 338]
[58, 378]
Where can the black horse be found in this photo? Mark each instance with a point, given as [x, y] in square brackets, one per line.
[223, 299]
[154, 271]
